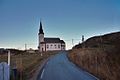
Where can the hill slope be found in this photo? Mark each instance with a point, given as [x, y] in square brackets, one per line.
[99, 55]
[103, 40]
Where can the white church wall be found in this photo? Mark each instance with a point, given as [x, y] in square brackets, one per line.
[42, 47]
[53, 46]
[41, 38]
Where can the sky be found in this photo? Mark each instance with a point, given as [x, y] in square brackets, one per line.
[67, 19]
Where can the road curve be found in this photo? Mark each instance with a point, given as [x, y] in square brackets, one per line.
[60, 68]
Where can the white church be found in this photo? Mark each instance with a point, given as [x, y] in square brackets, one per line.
[49, 44]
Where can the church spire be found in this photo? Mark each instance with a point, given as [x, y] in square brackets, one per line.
[41, 29]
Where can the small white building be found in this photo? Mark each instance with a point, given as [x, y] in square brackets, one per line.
[49, 44]
[31, 50]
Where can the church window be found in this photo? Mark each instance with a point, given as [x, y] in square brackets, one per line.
[51, 45]
[55, 45]
[47, 46]
[58, 46]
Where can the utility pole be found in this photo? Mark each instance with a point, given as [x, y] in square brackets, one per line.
[83, 41]
[25, 46]
[82, 38]
[72, 42]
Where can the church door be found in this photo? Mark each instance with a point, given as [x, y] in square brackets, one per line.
[42, 49]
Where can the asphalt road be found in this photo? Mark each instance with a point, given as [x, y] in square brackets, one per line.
[60, 68]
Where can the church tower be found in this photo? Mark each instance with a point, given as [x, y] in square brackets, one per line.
[41, 33]
[41, 37]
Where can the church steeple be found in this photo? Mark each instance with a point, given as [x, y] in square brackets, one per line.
[41, 29]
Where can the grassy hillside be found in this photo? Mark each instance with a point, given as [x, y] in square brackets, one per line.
[99, 55]
[26, 63]
[107, 40]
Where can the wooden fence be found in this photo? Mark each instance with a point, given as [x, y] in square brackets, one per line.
[4, 71]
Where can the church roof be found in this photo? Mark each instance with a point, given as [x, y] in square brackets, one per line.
[41, 29]
[62, 41]
[53, 40]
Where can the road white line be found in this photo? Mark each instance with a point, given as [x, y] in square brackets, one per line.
[42, 74]
[92, 75]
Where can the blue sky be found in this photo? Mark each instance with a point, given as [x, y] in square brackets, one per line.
[67, 19]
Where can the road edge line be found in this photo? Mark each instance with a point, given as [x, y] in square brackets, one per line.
[92, 75]
[42, 73]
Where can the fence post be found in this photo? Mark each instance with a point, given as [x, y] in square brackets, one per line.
[8, 58]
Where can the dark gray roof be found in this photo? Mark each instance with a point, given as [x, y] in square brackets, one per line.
[53, 40]
[41, 29]
[62, 41]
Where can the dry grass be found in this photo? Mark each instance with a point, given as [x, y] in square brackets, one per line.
[102, 62]
[26, 63]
